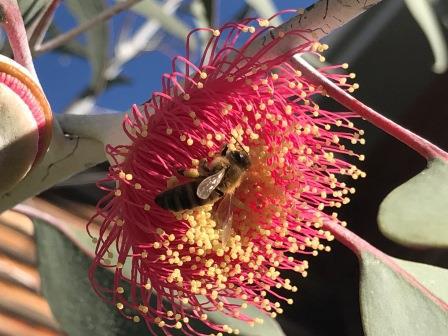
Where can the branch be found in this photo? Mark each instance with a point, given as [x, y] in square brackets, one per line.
[104, 127]
[61, 39]
[420, 145]
[66, 157]
[319, 20]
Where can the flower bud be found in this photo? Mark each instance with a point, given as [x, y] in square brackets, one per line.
[25, 122]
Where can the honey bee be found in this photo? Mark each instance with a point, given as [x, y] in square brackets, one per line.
[216, 181]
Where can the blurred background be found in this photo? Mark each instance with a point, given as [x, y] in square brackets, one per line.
[120, 62]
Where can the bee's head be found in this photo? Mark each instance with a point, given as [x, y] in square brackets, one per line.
[240, 158]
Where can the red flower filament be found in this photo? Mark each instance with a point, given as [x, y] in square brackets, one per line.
[179, 261]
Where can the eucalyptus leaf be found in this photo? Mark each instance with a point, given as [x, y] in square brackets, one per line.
[31, 8]
[265, 8]
[63, 270]
[393, 305]
[416, 213]
[202, 17]
[424, 12]
[269, 326]
[97, 37]
[71, 48]
[153, 10]
[210, 10]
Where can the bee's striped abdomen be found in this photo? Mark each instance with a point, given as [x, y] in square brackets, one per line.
[182, 197]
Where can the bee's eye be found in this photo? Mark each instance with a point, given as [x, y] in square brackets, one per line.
[241, 159]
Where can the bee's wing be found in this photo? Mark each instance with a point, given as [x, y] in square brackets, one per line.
[223, 217]
[206, 187]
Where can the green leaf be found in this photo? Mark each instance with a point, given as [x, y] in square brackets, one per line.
[97, 37]
[71, 48]
[416, 213]
[172, 24]
[268, 327]
[31, 8]
[393, 305]
[63, 269]
[425, 13]
[201, 18]
[433, 278]
[265, 8]
[209, 10]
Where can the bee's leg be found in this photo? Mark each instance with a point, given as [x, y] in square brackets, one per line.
[224, 150]
[181, 171]
[190, 173]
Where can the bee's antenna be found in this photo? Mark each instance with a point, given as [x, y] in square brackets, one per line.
[241, 145]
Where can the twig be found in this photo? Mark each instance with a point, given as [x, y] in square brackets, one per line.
[12, 21]
[106, 14]
[414, 141]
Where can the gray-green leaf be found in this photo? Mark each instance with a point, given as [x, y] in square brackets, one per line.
[416, 213]
[31, 8]
[97, 37]
[170, 23]
[63, 269]
[391, 305]
[268, 327]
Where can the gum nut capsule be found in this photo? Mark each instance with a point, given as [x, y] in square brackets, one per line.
[25, 123]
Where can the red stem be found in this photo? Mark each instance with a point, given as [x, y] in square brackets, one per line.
[359, 246]
[15, 30]
[420, 145]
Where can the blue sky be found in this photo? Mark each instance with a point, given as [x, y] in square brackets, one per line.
[64, 77]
